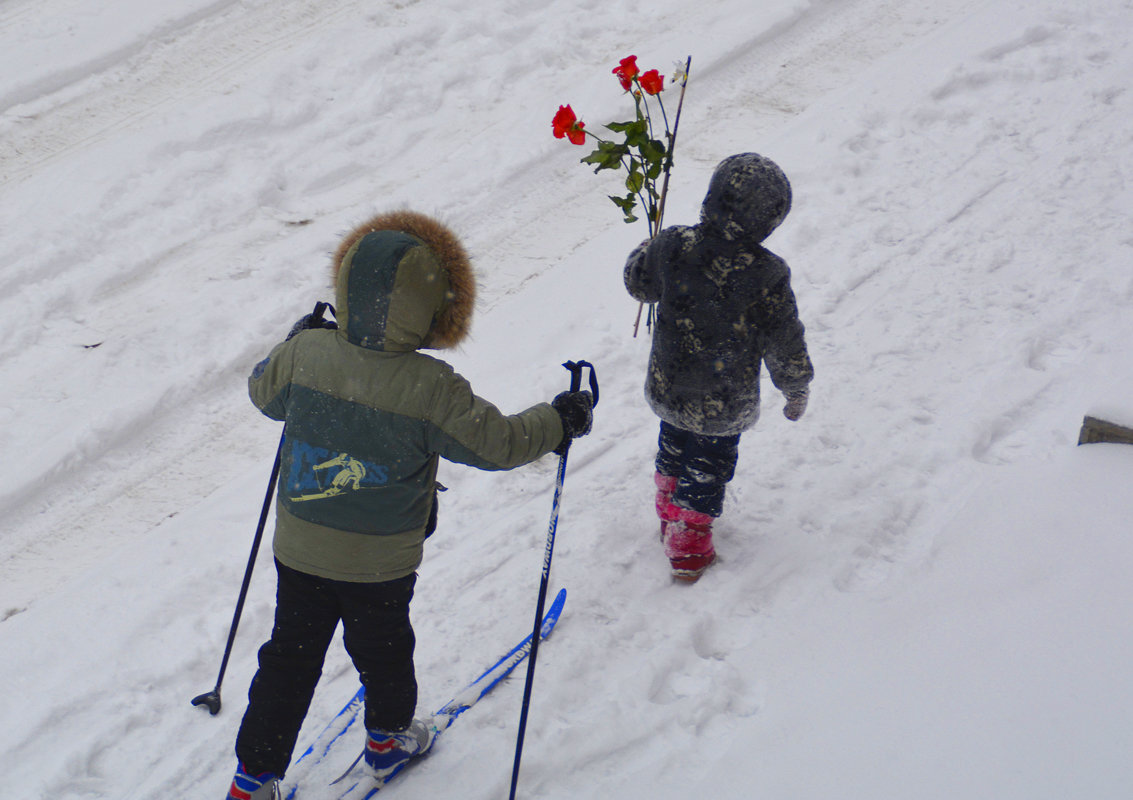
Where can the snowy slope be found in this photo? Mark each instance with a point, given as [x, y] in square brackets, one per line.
[922, 586]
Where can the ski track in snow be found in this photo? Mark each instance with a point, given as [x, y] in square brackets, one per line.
[891, 184]
[142, 232]
[203, 53]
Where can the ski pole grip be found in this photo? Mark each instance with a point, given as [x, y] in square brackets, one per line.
[576, 368]
[320, 309]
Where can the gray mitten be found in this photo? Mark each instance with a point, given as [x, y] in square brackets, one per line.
[796, 404]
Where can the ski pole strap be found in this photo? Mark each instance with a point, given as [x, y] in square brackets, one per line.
[576, 368]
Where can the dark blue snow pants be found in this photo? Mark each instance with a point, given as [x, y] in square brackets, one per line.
[702, 465]
[377, 635]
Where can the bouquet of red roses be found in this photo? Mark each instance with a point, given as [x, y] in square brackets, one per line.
[643, 155]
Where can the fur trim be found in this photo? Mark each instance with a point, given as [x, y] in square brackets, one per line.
[452, 324]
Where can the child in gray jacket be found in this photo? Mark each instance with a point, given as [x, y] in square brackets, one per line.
[724, 307]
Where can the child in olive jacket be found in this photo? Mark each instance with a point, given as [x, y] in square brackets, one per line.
[724, 307]
[368, 416]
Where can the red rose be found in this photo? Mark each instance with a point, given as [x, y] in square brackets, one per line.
[627, 70]
[652, 82]
[567, 124]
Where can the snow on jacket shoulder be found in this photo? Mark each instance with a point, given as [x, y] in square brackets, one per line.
[368, 416]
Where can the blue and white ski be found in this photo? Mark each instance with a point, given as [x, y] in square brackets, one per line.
[318, 765]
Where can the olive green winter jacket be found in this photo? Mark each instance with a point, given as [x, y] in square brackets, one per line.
[368, 416]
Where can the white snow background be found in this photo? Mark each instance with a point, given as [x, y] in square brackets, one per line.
[924, 585]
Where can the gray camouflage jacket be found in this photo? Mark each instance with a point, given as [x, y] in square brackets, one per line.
[724, 304]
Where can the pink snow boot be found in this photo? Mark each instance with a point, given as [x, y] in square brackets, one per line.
[687, 536]
[666, 485]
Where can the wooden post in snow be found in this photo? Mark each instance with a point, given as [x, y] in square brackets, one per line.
[1096, 430]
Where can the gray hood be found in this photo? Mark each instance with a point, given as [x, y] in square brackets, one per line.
[748, 197]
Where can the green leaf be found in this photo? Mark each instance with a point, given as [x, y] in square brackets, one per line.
[630, 128]
[626, 204]
[608, 155]
[638, 139]
[653, 151]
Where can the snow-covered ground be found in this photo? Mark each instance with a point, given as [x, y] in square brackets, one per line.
[923, 585]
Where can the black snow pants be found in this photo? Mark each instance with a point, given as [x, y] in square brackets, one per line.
[702, 465]
[377, 635]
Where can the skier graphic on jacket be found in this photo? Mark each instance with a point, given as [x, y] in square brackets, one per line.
[351, 473]
[724, 307]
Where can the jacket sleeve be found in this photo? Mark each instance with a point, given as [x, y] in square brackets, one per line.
[270, 381]
[469, 430]
[653, 259]
[641, 280]
[784, 342]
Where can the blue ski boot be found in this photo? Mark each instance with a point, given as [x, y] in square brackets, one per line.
[387, 751]
[246, 786]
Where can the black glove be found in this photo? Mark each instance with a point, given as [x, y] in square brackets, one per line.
[314, 320]
[576, 411]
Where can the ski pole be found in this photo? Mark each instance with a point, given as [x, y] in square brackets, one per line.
[211, 700]
[576, 368]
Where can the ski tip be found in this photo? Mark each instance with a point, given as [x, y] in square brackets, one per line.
[552, 615]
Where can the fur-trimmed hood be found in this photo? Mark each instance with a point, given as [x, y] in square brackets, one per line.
[403, 281]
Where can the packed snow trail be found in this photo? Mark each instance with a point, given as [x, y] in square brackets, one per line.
[221, 161]
[927, 543]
